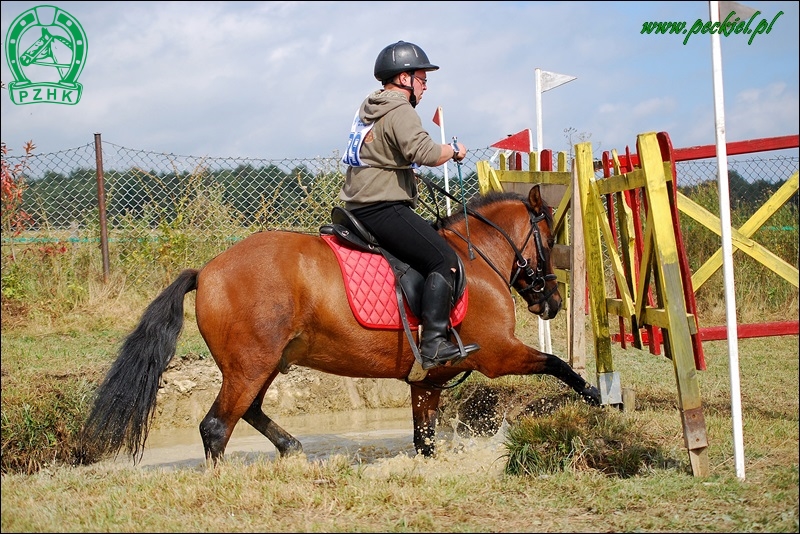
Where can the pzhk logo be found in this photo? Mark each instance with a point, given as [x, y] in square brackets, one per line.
[46, 51]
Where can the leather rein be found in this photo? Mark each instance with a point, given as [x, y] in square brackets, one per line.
[536, 277]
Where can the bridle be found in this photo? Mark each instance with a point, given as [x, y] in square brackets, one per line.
[535, 278]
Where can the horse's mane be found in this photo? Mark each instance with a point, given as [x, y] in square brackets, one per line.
[492, 197]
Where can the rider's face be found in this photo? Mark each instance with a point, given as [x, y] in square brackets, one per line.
[421, 79]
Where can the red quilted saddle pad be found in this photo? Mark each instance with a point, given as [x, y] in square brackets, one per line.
[369, 284]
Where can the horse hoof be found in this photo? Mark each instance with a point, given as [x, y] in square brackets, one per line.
[591, 395]
[290, 448]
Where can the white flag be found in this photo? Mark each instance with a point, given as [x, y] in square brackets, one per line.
[551, 80]
[742, 11]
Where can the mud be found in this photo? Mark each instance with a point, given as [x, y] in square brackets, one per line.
[189, 387]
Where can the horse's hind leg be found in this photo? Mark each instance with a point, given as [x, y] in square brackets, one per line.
[217, 426]
[235, 398]
[284, 442]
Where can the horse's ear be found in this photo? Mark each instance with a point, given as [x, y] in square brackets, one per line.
[535, 199]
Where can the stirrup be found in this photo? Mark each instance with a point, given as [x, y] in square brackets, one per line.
[463, 350]
[455, 359]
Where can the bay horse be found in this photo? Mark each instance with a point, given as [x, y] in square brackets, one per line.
[277, 299]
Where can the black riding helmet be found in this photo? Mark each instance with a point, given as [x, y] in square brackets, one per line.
[401, 57]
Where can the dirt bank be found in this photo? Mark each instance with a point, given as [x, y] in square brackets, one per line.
[189, 387]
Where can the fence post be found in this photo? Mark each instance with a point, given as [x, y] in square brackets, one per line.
[101, 203]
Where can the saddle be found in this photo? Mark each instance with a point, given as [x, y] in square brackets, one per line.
[369, 270]
[351, 233]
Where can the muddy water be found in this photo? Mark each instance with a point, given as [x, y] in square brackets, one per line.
[381, 439]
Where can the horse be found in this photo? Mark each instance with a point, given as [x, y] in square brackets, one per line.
[277, 299]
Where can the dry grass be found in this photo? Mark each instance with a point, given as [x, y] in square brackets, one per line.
[461, 490]
[60, 331]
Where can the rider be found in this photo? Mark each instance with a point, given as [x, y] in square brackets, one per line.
[387, 143]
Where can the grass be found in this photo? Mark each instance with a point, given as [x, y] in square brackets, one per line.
[563, 467]
[579, 438]
[649, 486]
[295, 495]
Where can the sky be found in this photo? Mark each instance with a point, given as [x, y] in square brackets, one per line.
[279, 80]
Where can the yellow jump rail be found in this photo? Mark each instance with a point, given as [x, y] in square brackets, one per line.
[659, 265]
[741, 237]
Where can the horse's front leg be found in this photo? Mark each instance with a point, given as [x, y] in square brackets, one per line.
[555, 366]
[424, 409]
[520, 359]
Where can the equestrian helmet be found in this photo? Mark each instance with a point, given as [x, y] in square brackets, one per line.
[401, 57]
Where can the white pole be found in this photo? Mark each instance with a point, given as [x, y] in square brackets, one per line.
[538, 81]
[727, 246]
[444, 140]
[545, 340]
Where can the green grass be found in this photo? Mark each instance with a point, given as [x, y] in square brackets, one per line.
[615, 471]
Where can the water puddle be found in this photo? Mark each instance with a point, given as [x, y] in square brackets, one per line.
[381, 439]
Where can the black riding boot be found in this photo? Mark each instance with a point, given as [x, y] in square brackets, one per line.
[436, 304]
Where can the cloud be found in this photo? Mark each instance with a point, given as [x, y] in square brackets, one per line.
[282, 79]
[767, 111]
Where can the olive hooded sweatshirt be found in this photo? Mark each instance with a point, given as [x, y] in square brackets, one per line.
[396, 141]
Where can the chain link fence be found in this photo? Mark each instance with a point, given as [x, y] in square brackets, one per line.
[61, 187]
[229, 198]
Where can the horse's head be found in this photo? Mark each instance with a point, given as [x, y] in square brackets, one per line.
[525, 223]
[534, 278]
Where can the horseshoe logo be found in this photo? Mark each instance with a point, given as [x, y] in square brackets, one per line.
[46, 43]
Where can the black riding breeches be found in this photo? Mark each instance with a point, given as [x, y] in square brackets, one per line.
[409, 237]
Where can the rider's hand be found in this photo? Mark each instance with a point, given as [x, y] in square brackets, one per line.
[459, 151]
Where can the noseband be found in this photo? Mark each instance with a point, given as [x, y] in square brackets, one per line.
[537, 279]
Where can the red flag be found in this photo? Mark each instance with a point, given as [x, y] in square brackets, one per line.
[519, 142]
[437, 117]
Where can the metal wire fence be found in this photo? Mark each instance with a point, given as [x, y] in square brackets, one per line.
[165, 211]
[152, 188]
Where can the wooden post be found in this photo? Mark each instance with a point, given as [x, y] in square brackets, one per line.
[608, 381]
[679, 348]
[576, 321]
[101, 203]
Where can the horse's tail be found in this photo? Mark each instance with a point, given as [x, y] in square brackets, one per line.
[125, 402]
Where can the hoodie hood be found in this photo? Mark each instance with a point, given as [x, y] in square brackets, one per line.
[379, 103]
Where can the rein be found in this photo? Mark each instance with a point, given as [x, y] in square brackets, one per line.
[434, 385]
[537, 277]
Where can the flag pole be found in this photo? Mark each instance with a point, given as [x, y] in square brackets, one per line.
[727, 246]
[538, 86]
[438, 119]
[545, 339]
[544, 81]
